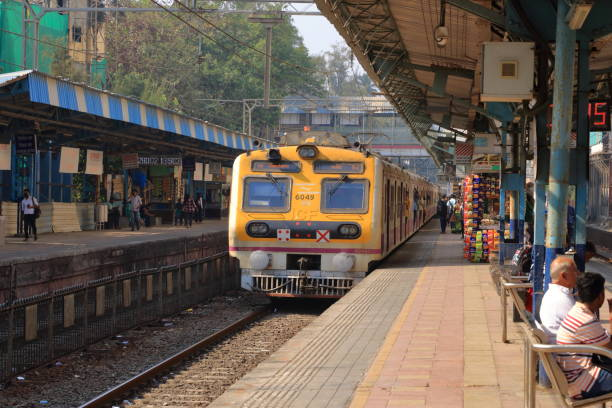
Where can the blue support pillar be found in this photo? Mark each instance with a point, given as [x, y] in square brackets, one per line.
[559, 142]
[539, 212]
[582, 152]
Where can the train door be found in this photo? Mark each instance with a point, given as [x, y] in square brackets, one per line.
[396, 234]
[401, 213]
[387, 215]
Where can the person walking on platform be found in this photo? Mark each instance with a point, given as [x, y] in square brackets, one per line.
[442, 211]
[135, 204]
[189, 209]
[29, 208]
[581, 326]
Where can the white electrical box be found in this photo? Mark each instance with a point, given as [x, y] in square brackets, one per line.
[508, 70]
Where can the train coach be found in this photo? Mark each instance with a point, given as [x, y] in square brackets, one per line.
[310, 220]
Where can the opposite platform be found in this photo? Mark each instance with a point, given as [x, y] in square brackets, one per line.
[54, 245]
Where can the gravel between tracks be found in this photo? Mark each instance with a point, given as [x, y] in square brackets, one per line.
[201, 380]
[80, 376]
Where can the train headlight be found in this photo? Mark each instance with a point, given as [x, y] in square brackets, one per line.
[343, 262]
[259, 260]
[348, 230]
[258, 229]
[307, 152]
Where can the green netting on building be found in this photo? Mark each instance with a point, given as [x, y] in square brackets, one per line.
[53, 38]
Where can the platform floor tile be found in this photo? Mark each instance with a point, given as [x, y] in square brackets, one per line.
[445, 349]
[324, 363]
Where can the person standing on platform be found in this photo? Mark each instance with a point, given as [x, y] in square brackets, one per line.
[200, 211]
[451, 207]
[29, 206]
[581, 326]
[114, 213]
[189, 209]
[442, 211]
[135, 204]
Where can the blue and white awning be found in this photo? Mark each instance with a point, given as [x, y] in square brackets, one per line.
[78, 97]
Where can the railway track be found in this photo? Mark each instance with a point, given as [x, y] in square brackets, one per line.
[197, 375]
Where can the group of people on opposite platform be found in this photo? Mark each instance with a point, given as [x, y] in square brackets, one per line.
[189, 210]
[137, 211]
[449, 212]
[569, 315]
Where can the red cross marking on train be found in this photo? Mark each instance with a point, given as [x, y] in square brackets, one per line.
[322, 235]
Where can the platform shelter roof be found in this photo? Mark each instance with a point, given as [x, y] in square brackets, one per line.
[431, 85]
[82, 114]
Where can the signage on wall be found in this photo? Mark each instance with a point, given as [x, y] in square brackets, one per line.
[25, 144]
[5, 156]
[95, 162]
[130, 161]
[171, 161]
[69, 160]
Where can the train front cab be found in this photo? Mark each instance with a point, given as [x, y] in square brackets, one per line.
[322, 239]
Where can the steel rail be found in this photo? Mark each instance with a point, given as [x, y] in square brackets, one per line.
[117, 392]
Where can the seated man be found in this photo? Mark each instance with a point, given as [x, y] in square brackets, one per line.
[582, 326]
[558, 299]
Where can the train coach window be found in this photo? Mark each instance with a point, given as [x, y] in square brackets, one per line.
[345, 195]
[266, 194]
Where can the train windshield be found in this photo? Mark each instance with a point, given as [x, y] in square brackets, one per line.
[269, 194]
[345, 195]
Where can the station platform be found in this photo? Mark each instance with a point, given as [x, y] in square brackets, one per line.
[55, 245]
[423, 330]
[60, 260]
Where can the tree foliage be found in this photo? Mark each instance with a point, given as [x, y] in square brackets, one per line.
[344, 77]
[159, 59]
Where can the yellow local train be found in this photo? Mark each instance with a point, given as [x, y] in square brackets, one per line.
[311, 220]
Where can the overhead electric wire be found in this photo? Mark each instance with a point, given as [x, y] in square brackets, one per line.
[244, 44]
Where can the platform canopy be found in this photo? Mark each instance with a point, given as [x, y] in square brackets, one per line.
[430, 85]
[76, 114]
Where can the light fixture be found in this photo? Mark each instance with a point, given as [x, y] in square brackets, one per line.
[441, 31]
[460, 139]
[578, 14]
[441, 36]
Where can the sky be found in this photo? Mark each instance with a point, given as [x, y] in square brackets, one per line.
[318, 33]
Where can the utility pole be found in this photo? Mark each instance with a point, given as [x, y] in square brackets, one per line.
[268, 23]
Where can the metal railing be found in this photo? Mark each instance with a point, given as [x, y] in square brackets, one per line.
[36, 330]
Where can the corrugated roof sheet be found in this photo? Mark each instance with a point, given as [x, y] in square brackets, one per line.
[59, 92]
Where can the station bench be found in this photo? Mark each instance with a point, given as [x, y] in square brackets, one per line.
[536, 348]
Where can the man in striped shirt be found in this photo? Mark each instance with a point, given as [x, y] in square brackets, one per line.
[582, 326]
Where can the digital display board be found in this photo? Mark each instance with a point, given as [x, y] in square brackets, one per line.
[328, 167]
[282, 166]
[599, 115]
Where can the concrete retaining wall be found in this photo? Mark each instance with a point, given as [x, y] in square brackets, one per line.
[35, 276]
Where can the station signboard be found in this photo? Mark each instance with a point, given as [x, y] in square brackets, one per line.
[170, 161]
[25, 144]
[130, 161]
